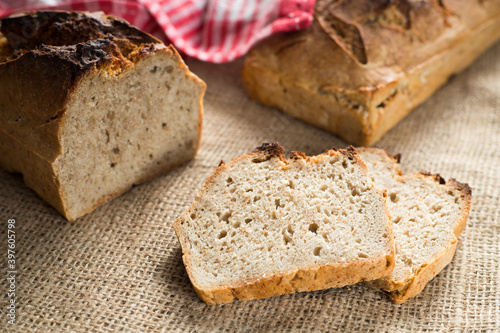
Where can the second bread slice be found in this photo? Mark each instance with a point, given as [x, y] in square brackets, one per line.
[263, 226]
[428, 215]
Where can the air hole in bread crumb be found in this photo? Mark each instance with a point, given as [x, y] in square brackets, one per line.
[226, 217]
[266, 234]
[394, 197]
[287, 239]
[193, 216]
[355, 192]
[362, 255]
[289, 229]
[222, 234]
[249, 190]
[273, 215]
[163, 125]
[229, 181]
[151, 156]
[277, 203]
[317, 251]
[313, 227]
[256, 198]
[112, 165]
[344, 164]
[384, 235]
[237, 224]
[116, 150]
[248, 221]
[324, 187]
[325, 236]
[397, 219]
[358, 240]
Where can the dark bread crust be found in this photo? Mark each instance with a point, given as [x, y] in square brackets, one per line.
[32, 30]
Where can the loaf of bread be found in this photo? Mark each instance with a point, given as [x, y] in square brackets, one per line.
[263, 226]
[364, 65]
[427, 214]
[90, 106]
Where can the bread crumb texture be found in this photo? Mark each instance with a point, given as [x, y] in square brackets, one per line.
[262, 216]
[427, 216]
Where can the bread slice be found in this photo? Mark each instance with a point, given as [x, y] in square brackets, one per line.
[427, 215]
[263, 226]
[90, 106]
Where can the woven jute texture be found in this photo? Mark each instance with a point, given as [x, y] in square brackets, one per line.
[120, 269]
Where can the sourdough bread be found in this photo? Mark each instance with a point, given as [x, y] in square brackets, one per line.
[90, 106]
[427, 214]
[364, 65]
[263, 226]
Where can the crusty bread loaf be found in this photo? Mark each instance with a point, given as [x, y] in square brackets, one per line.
[90, 106]
[263, 226]
[427, 214]
[364, 65]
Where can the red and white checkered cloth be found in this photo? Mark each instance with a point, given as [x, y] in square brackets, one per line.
[210, 30]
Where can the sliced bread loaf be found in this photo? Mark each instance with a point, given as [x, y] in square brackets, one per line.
[427, 214]
[263, 226]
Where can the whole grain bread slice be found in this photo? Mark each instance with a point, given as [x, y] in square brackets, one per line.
[263, 226]
[427, 213]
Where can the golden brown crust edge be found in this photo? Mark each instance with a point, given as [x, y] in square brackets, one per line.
[305, 279]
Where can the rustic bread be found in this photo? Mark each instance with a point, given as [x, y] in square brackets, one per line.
[263, 226]
[364, 65]
[427, 216]
[90, 106]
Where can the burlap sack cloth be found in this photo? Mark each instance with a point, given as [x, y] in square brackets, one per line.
[120, 268]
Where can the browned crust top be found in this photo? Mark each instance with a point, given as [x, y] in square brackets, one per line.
[51, 32]
[436, 176]
[272, 149]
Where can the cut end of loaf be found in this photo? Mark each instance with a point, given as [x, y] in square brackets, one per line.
[263, 226]
[121, 130]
